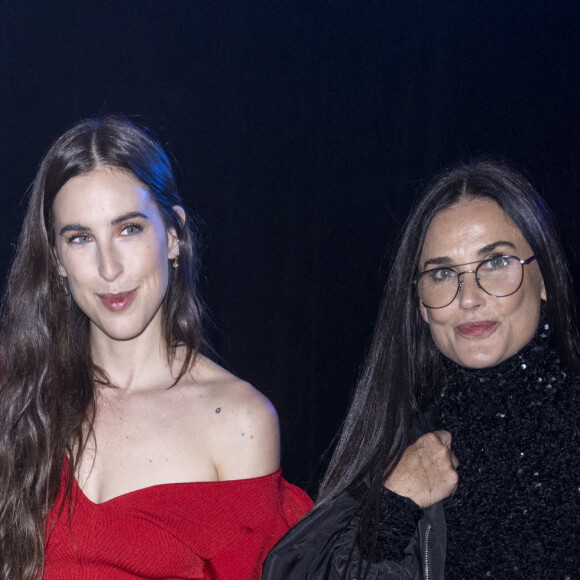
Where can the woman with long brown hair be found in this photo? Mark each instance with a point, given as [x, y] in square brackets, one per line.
[124, 451]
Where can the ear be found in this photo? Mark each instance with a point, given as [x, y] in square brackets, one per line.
[543, 294]
[172, 239]
[59, 268]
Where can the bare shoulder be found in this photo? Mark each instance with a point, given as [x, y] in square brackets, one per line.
[244, 426]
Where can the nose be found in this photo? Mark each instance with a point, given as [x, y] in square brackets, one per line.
[470, 294]
[110, 264]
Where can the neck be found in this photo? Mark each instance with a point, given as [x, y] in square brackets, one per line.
[140, 363]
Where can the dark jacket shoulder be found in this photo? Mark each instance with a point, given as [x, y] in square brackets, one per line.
[324, 546]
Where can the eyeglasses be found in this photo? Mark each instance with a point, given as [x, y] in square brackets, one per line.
[499, 276]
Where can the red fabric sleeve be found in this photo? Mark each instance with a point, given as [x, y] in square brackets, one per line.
[266, 513]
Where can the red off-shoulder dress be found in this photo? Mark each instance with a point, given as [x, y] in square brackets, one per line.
[203, 530]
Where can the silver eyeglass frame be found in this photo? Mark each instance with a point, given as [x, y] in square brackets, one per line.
[460, 281]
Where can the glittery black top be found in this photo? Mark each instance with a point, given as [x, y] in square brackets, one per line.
[516, 513]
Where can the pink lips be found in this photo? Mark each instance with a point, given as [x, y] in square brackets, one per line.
[480, 328]
[118, 302]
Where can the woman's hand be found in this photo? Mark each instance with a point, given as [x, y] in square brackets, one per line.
[426, 472]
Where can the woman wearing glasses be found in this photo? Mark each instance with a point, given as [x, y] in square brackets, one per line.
[459, 454]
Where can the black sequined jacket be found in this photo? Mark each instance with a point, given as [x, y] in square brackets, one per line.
[516, 513]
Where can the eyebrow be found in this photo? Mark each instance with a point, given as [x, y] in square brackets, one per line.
[127, 216]
[446, 261]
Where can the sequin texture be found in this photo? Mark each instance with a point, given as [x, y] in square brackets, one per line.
[516, 511]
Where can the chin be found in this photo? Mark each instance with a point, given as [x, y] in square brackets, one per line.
[121, 333]
[479, 360]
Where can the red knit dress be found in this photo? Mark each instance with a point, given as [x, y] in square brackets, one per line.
[203, 530]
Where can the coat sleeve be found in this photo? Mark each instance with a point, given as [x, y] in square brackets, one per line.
[324, 545]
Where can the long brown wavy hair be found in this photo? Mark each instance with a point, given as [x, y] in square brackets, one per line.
[47, 378]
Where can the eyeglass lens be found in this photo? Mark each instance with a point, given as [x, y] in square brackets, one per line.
[500, 276]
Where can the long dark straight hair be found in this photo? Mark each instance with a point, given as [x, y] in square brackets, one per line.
[403, 370]
[47, 382]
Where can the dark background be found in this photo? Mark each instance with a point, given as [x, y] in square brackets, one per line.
[302, 131]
